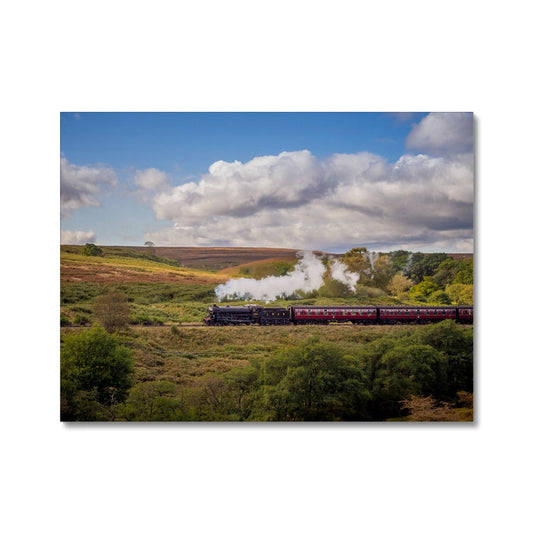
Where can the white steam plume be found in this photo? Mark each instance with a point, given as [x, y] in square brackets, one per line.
[340, 273]
[307, 276]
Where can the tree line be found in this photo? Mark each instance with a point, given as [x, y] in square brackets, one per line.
[433, 278]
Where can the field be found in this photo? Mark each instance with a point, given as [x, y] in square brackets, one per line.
[183, 370]
[182, 354]
[218, 258]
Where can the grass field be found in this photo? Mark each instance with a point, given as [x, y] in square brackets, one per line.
[184, 353]
[123, 269]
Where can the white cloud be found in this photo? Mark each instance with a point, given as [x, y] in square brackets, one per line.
[286, 180]
[443, 134]
[77, 237]
[82, 185]
[296, 201]
[151, 179]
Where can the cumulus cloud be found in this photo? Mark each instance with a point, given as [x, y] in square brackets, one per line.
[77, 237]
[283, 181]
[82, 185]
[443, 134]
[151, 179]
[296, 201]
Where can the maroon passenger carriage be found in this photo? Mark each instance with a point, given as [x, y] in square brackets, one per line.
[306, 314]
[326, 314]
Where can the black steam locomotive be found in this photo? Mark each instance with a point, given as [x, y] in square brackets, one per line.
[301, 314]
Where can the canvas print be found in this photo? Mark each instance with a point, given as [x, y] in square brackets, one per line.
[267, 267]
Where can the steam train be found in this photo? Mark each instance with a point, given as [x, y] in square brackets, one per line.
[301, 314]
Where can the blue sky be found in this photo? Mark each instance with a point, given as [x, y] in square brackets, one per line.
[326, 181]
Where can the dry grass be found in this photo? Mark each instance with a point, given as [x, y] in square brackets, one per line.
[182, 354]
[218, 258]
[105, 270]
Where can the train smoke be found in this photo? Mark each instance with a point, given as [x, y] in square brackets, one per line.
[340, 273]
[307, 276]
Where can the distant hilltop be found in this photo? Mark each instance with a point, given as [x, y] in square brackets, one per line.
[219, 257]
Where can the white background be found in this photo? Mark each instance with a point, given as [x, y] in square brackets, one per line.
[271, 56]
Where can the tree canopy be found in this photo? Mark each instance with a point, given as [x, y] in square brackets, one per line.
[95, 371]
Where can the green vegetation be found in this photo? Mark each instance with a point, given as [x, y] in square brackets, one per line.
[92, 249]
[149, 303]
[412, 278]
[287, 373]
[250, 373]
[118, 251]
[95, 375]
[263, 269]
[112, 311]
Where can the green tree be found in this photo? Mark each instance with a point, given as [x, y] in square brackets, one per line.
[241, 383]
[441, 297]
[422, 266]
[95, 371]
[153, 401]
[461, 294]
[150, 245]
[383, 272]
[357, 260]
[446, 272]
[399, 259]
[313, 381]
[423, 290]
[413, 269]
[457, 343]
[112, 311]
[405, 369]
[465, 275]
[92, 249]
[399, 284]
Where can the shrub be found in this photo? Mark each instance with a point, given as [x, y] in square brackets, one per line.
[92, 249]
[112, 311]
[94, 368]
[79, 292]
[399, 284]
[461, 294]
[81, 320]
[427, 409]
[441, 297]
[369, 292]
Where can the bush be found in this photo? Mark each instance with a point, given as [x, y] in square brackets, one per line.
[112, 311]
[369, 292]
[92, 249]
[399, 284]
[95, 370]
[72, 293]
[461, 294]
[441, 297]
[81, 320]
